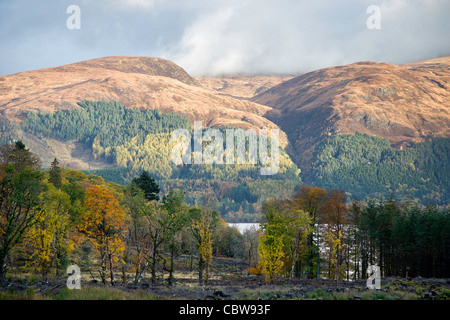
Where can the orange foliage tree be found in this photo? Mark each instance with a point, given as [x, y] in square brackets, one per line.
[335, 218]
[104, 225]
[310, 199]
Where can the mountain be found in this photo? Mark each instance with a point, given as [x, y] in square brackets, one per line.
[140, 82]
[114, 116]
[371, 129]
[403, 103]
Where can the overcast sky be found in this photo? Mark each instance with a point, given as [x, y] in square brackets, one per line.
[211, 37]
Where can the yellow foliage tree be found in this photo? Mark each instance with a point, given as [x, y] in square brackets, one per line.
[49, 238]
[334, 244]
[104, 224]
[284, 242]
[205, 246]
[204, 221]
[298, 230]
[271, 252]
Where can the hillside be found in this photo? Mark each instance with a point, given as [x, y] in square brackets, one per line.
[405, 103]
[135, 82]
[140, 82]
[242, 85]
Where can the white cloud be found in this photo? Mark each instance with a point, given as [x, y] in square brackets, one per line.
[297, 36]
[131, 4]
[224, 36]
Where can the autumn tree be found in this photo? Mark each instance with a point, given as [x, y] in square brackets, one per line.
[271, 246]
[153, 228]
[334, 213]
[19, 207]
[334, 247]
[250, 244]
[204, 247]
[175, 219]
[49, 239]
[204, 221]
[104, 224]
[299, 230]
[138, 209]
[283, 225]
[164, 220]
[310, 200]
[155, 224]
[271, 253]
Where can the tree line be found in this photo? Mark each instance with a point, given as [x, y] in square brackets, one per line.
[52, 218]
[367, 166]
[138, 139]
[318, 234]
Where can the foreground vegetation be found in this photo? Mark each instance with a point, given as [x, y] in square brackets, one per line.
[134, 234]
[226, 288]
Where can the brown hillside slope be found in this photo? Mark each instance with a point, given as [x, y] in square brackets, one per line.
[403, 103]
[243, 85]
[134, 81]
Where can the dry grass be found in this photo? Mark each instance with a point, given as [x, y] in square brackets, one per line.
[102, 293]
[230, 278]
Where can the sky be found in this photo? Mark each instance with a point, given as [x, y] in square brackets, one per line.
[216, 37]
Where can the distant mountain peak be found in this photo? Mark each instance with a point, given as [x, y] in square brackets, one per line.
[141, 65]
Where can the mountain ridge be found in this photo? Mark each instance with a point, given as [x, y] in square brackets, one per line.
[405, 103]
[140, 82]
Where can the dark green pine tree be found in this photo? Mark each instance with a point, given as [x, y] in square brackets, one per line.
[148, 185]
[55, 174]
